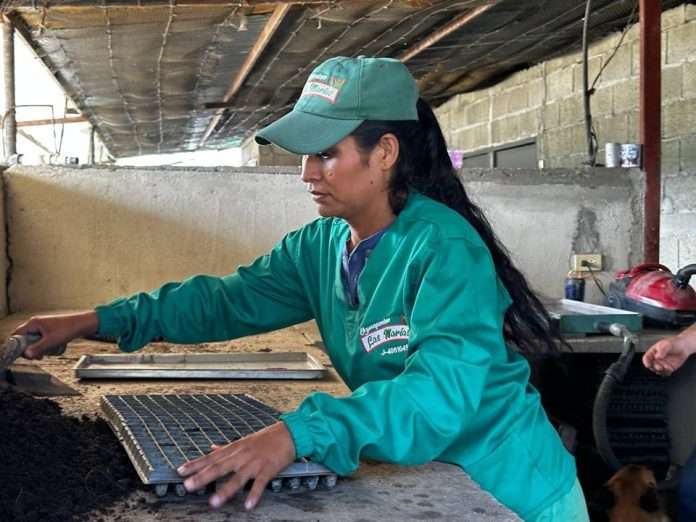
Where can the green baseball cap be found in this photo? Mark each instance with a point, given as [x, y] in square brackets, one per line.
[338, 96]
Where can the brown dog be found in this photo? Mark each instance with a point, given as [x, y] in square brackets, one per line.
[635, 496]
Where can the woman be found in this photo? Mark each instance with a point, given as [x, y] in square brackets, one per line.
[415, 299]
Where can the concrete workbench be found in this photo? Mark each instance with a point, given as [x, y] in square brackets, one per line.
[604, 343]
[377, 491]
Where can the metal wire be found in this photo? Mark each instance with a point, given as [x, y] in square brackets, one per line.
[631, 20]
[115, 80]
[206, 57]
[589, 128]
[301, 70]
[14, 109]
[158, 72]
[597, 282]
[421, 22]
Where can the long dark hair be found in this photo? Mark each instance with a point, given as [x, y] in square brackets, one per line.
[425, 166]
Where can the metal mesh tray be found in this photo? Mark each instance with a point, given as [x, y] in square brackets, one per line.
[277, 365]
[162, 432]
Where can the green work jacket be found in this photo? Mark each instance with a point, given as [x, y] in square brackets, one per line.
[423, 351]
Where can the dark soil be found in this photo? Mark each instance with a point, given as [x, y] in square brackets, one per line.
[54, 467]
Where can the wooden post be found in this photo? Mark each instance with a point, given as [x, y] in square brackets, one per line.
[650, 123]
[9, 116]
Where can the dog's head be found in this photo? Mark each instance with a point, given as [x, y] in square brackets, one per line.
[632, 481]
[632, 485]
[636, 484]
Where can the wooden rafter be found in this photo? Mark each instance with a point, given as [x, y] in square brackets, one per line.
[444, 31]
[49, 121]
[270, 28]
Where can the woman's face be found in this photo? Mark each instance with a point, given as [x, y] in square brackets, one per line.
[343, 183]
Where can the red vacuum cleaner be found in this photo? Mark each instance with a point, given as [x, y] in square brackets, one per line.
[662, 298]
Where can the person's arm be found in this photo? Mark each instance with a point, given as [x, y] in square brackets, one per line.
[266, 295]
[415, 416]
[669, 354]
[57, 329]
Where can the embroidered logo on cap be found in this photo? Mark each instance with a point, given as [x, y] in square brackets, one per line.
[329, 89]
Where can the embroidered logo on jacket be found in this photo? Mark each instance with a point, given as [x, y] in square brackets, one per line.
[385, 334]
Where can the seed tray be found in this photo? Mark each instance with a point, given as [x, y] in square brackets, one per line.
[162, 432]
[274, 365]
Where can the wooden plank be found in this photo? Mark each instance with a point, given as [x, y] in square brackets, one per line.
[259, 46]
[49, 121]
[444, 31]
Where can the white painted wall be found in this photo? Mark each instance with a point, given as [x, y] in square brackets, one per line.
[544, 219]
[79, 237]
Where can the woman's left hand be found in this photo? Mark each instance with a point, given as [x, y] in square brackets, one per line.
[258, 457]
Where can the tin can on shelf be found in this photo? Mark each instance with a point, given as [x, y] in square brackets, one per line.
[612, 155]
[630, 155]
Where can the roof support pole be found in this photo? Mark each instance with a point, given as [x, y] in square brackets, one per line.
[8, 65]
[650, 118]
[90, 151]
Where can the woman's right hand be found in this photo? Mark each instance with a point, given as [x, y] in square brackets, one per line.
[56, 330]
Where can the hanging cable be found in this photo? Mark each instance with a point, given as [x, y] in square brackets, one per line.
[587, 89]
[631, 21]
[589, 135]
[597, 282]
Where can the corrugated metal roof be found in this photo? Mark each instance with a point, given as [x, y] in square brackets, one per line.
[144, 72]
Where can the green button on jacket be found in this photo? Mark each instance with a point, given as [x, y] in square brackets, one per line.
[423, 352]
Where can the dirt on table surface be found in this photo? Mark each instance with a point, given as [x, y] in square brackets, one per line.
[56, 467]
[61, 461]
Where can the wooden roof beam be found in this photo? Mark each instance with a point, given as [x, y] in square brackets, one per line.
[45, 4]
[49, 121]
[259, 46]
[444, 31]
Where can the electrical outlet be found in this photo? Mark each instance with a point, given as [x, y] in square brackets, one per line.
[581, 262]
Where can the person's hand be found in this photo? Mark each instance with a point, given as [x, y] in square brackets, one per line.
[56, 330]
[666, 356]
[258, 457]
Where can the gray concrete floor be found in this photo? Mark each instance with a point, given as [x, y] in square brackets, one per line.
[377, 491]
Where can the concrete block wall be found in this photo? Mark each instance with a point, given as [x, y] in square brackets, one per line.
[545, 102]
[82, 236]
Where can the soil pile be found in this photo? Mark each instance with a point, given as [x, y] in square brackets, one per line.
[54, 467]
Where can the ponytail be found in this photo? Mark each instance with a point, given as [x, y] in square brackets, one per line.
[424, 165]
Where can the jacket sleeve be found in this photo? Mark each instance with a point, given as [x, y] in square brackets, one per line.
[455, 325]
[266, 295]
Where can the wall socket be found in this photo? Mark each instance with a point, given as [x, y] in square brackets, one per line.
[593, 260]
